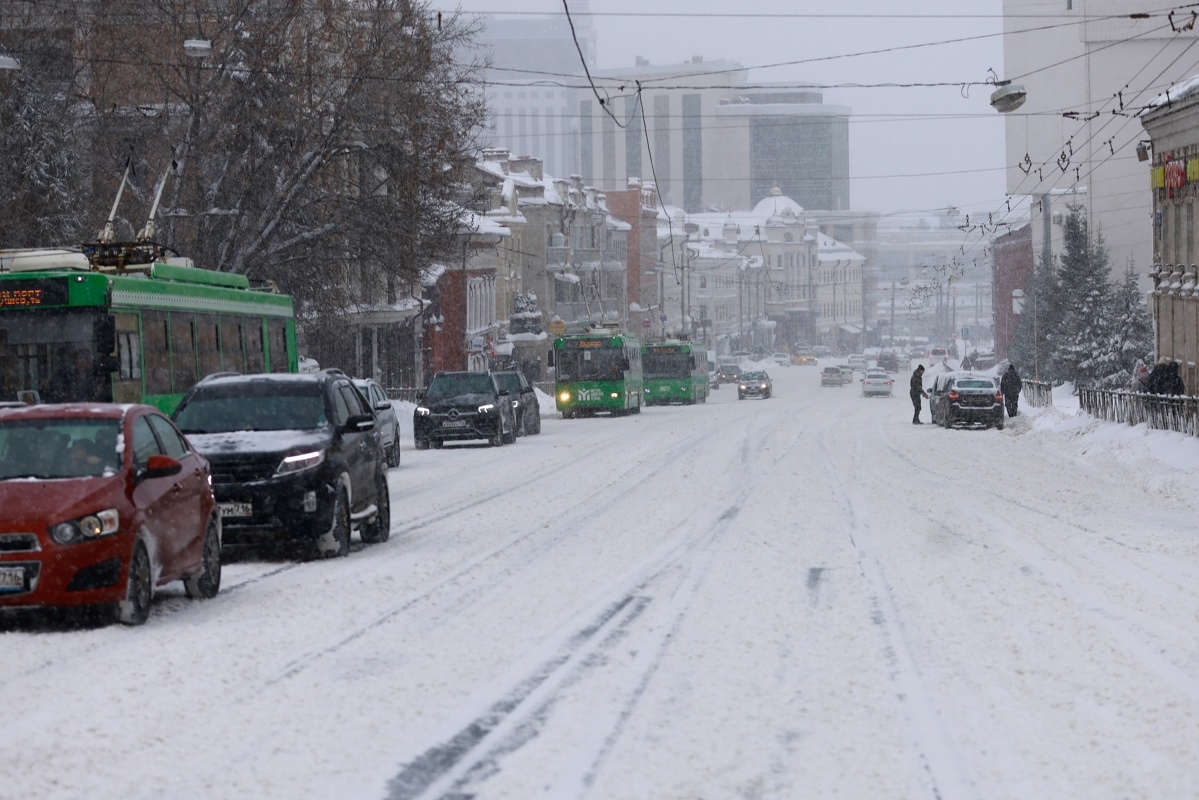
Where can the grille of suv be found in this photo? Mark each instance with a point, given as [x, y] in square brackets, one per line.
[241, 468]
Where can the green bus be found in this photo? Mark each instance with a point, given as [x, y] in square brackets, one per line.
[597, 371]
[675, 372]
[126, 323]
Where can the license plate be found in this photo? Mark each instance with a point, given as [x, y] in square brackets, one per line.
[12, 579]
[461, 423]
[237, 509]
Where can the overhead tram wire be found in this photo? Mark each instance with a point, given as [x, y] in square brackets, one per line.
[583, 60]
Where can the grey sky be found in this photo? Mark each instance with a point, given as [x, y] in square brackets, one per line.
[920, 148]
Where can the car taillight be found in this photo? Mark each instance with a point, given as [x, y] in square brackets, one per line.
[999, 397]
[953, 397]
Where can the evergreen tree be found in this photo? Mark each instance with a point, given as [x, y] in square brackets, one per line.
[1130, 335]
[1083, 298]
[1030, 347]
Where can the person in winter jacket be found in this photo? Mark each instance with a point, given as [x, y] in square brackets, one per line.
[1010, 384]
[1154, 383]
[1171, 381]
[917, 391]
[1140, 378]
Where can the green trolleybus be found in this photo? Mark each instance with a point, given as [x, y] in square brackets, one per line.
[675, 372]
[125, 323]
[597, 371]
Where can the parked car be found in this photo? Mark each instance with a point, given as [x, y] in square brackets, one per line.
[386, 420]
[804, 358]
[295, 458]
[460, 406]
[970, 399]
[102, 504]
[523, 397]
[782, 359]
[831, 376]
[877, 383]
[754, 384]
[728, 373]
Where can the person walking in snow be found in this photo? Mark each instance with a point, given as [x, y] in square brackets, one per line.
[917, 392]
[1154, 383]
[1010, 384]
[1140, 378]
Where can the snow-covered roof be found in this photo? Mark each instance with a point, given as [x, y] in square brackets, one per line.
[1179, 91]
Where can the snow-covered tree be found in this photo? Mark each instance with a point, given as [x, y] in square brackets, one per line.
[1031, 348]
[1129, 336]
[1084, 290]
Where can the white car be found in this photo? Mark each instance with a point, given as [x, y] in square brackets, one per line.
[782, 359]
[857, 361]
[877, 383]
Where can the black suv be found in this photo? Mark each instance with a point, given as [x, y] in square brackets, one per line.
[463, 405]
[294, 456]
[968, 399]
[524, 400]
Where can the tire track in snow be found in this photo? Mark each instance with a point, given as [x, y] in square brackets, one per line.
[934, 746]
[465, 759]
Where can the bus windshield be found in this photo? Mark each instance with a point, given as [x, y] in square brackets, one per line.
[593, 364]
[51, 353]
[666, 365]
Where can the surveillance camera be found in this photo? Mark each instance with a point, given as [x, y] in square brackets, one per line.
[1008, 97]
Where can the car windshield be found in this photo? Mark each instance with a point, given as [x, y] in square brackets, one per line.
[59, 448]
[508, 381]
[253, 406]
[446, 386]
[831, 370]
[754, 376]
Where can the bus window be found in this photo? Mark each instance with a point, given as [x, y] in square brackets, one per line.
[183, 351]
[208, 329]
[50, 354]
[255, 350]
[277, 331]
[156, 340]
[233, 354]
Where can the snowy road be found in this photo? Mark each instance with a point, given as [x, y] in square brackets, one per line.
[800, 597]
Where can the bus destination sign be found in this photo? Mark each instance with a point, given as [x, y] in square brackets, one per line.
[26, 294]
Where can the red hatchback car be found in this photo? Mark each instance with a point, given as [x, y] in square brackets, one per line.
[100, 503]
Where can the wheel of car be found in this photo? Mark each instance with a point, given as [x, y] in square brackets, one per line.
[139, 588]
[520, 423]
[379, 528]
[999, 425]
[393, 452]
[335, 542]
[207, 582]
[510, 436]
[498, 439]
[436, 443]
[536, 422]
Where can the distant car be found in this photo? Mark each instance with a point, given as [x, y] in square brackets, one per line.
[847, 371]
[524, 401]
[857, 361]
[831, 376]
[295, 459]
[102, 503]
[459, 406]
[387, 423]
[970, 399]
[713, 381]
[821, 351]
[728, 373]
[804, 358]
[888, 360]
[782, 359]
[877, 383]
[754, 384]
[938, 354]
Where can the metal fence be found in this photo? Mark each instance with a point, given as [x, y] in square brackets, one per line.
[1177, 413]
[1037, 394]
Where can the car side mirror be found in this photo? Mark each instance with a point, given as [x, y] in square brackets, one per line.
[421, 395]
[159, 466]
[503, 393]
[357, 423]
[383, 406]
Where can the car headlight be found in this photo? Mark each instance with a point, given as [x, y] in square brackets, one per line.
[516, 404]
[102, 523]
[487, 408]
[421, 411]
[741, 386]
[300, 462]
[564, 397]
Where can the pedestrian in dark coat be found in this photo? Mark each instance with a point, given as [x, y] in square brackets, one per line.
[917, 392]
[1154, 384]
[1010, 384]
[1171, 382]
